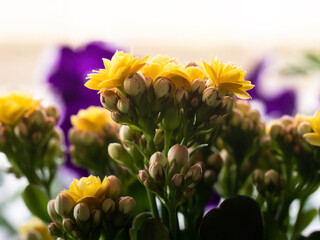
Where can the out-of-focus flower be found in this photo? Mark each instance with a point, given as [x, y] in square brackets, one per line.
[35, 229]
[227, 77]
[283, 103]
[314, 138]
[14, 105]
[91, 119]
[115, 72]
[88, 187]
[68, 75]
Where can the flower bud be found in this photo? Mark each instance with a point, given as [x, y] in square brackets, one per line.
[52, 111]
[158, 137]
[127, 133]
[198, 86]
[123, 105]
[81, 212]
[304, 127]
[227, 103]
[177, 180]
[215, 120]
[52, 212]
[212, 97]
[194, 174]
[158, 157]
[215, 161]
[63, 204]
[188, 192]
[257, 176]
[127, 205]
[162, 88]
[209, 176]
[37, 118]
[179, 154]
[54, 229]
[142, 175]
[182, 97]
[171, 118]
[157, 172]
[118, 153]
[108, 206]
[118, 117]
[276, 131]
[286, 120]
[21, 130]
[115, 187]
[195, 101]
[254, 115]
[134, 84]
[68, 225]
[97, 217]
[109, 99]
[271, 178]
[236, 117]
[242, 105]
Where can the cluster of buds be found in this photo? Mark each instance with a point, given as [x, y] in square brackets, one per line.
[269, 182]
[89, 209]
[242, 129]
[157, 106]
[89, 137]
[34, 143]
[172, 177]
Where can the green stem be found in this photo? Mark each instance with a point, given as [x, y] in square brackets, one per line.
[172, 210]
[167, 141]
[153, 204]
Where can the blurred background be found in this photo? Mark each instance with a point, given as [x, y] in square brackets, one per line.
[47, 44]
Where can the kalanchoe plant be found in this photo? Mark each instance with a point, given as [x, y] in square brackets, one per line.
[30, 138]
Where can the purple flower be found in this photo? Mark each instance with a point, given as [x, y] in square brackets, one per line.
[276, 105]
[68, 76]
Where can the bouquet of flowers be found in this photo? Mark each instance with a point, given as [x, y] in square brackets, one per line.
[167, 138]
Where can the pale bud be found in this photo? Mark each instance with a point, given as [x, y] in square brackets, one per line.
[227, 103]
[162, 88]
[242, 105]
[212, 97]
[198, 86]
[215, 161]
[64, 204]
[254, 115]
[179, 154]
[156, 171]
[210, 176]
[188, 192]
[127, 205]
[287, 120]
[108, 206]
[304, 127]
[158, 137]
[158, 157]
[142, 175]
[177, 180]
[54, 229]
[194, 173]
[134, 84]
[37, 118]
[276, 130]
[182, 96]
[118, 153]
[81, 212]
[115, 187]
[109, 99]
[52, 111]
[127, 133]
[271, 177]
[123, 105]
[68, 225]
[52, 212]
[97, 217]
[21, 130]
[257, 176]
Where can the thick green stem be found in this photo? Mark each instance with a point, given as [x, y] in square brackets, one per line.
[172, 210]
[167, 141]
[153, 204]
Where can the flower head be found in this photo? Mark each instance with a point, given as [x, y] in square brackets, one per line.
[115, 72]
[88, 187]
[35, 227]
[91, 119]
[155, 66]
[14, 105]
[314, 138]
[227, 77]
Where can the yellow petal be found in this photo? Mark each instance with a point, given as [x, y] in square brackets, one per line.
[312, 138]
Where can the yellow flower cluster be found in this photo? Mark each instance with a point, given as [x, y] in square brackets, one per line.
[14, 105]
[314, 137]
[88, 187]
[35, 229]
[91, 119]
[227, 77]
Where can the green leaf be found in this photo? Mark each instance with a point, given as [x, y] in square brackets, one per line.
[36, 200]
[303, 221]
[271, 230]
[153, 229]
[137, 223]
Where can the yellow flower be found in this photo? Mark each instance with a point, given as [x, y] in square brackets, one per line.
[155, 66]
[35, 227]
[14, 105]
[91, 119]
[227, 78]
[115, 72]
[91, 187]
[314, 138]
